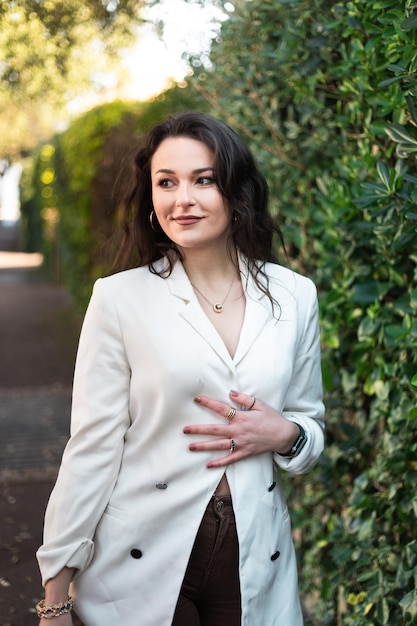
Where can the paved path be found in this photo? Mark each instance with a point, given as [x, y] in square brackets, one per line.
[38, 340]
[34, 426]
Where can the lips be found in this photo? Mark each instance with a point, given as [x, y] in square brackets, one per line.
[187, 220]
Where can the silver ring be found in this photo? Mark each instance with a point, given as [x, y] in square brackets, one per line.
[252, 405]
[231, 414]
[232, 445]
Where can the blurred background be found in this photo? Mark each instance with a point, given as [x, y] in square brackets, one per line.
[324, 92]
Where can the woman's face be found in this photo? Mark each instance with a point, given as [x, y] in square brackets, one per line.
[186, 199]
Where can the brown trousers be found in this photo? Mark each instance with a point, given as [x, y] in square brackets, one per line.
[210, 592]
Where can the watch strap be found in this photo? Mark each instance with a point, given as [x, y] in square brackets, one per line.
[298, 445]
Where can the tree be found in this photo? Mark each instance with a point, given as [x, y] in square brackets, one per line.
[50, 51]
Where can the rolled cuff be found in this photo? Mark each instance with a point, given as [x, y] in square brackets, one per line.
[53, 560]
[309, 455]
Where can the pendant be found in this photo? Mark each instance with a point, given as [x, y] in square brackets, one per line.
[218, 308]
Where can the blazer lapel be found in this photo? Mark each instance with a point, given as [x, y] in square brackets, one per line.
[180, 288]
[257, 313]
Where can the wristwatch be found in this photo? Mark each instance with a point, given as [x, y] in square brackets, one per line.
[298, 445]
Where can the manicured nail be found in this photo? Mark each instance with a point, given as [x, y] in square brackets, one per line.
[234, 393]
[197, 399]
[186, 430]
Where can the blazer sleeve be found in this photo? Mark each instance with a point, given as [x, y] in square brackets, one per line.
[304, 399]
[91, 460]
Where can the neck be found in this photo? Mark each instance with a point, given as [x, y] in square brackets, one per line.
[205, 268]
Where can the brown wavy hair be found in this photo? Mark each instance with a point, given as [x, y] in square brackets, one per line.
[238, 178]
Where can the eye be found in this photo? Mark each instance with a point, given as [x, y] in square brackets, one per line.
[205, 180]
[165, 183]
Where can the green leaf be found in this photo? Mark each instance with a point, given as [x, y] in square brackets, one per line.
[369, 292]
[393, 67]
[411, 108]
[383, 611]
[367, 328]
[404, 241]
[390, 81]
[409, 23]
[408, 605]
[383, 174]
[397, 133]
[404, 150]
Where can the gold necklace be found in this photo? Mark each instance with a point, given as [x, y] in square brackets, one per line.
[217, 306]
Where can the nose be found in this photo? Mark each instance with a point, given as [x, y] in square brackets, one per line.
[185, 196]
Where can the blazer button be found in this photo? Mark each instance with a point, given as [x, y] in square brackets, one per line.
[137, 554]
[161, 485]
[276, 555]
[272, 486]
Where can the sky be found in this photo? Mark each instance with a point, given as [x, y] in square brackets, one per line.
[152, 62]
[150, 65]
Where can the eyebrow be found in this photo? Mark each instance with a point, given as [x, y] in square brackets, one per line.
[197, 171]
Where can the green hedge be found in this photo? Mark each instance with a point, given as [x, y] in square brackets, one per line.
[326, 94]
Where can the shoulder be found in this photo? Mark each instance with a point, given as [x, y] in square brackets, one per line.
[125, 282]
[284, 278]
[295, 294]
[125, 277]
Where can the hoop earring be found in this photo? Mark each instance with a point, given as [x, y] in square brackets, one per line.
[151, 221]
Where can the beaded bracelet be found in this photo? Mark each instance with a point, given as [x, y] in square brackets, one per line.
[55, 610]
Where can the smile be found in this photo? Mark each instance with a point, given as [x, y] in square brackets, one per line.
[187, 220]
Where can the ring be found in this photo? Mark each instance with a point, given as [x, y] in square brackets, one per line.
[231, 414]
[252, 405]
[232, 445]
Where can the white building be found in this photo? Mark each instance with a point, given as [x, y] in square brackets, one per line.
[9, 191]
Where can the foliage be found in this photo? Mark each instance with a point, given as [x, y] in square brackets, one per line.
[69, 194]
[50, 50]
[325, 93]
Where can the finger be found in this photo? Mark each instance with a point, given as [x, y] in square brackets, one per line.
[232, 457]
[221, 408]
[217, 444]
[231, 413]
[215, 430]
[247, 402]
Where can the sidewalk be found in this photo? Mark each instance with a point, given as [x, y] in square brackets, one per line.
[38, 341]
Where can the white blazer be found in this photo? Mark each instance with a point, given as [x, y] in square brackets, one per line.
[146, 349]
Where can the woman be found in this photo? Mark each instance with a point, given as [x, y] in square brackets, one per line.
[197, 382]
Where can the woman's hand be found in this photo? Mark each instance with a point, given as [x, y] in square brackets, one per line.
[62, 620]
[56, 593]
[253, 429]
